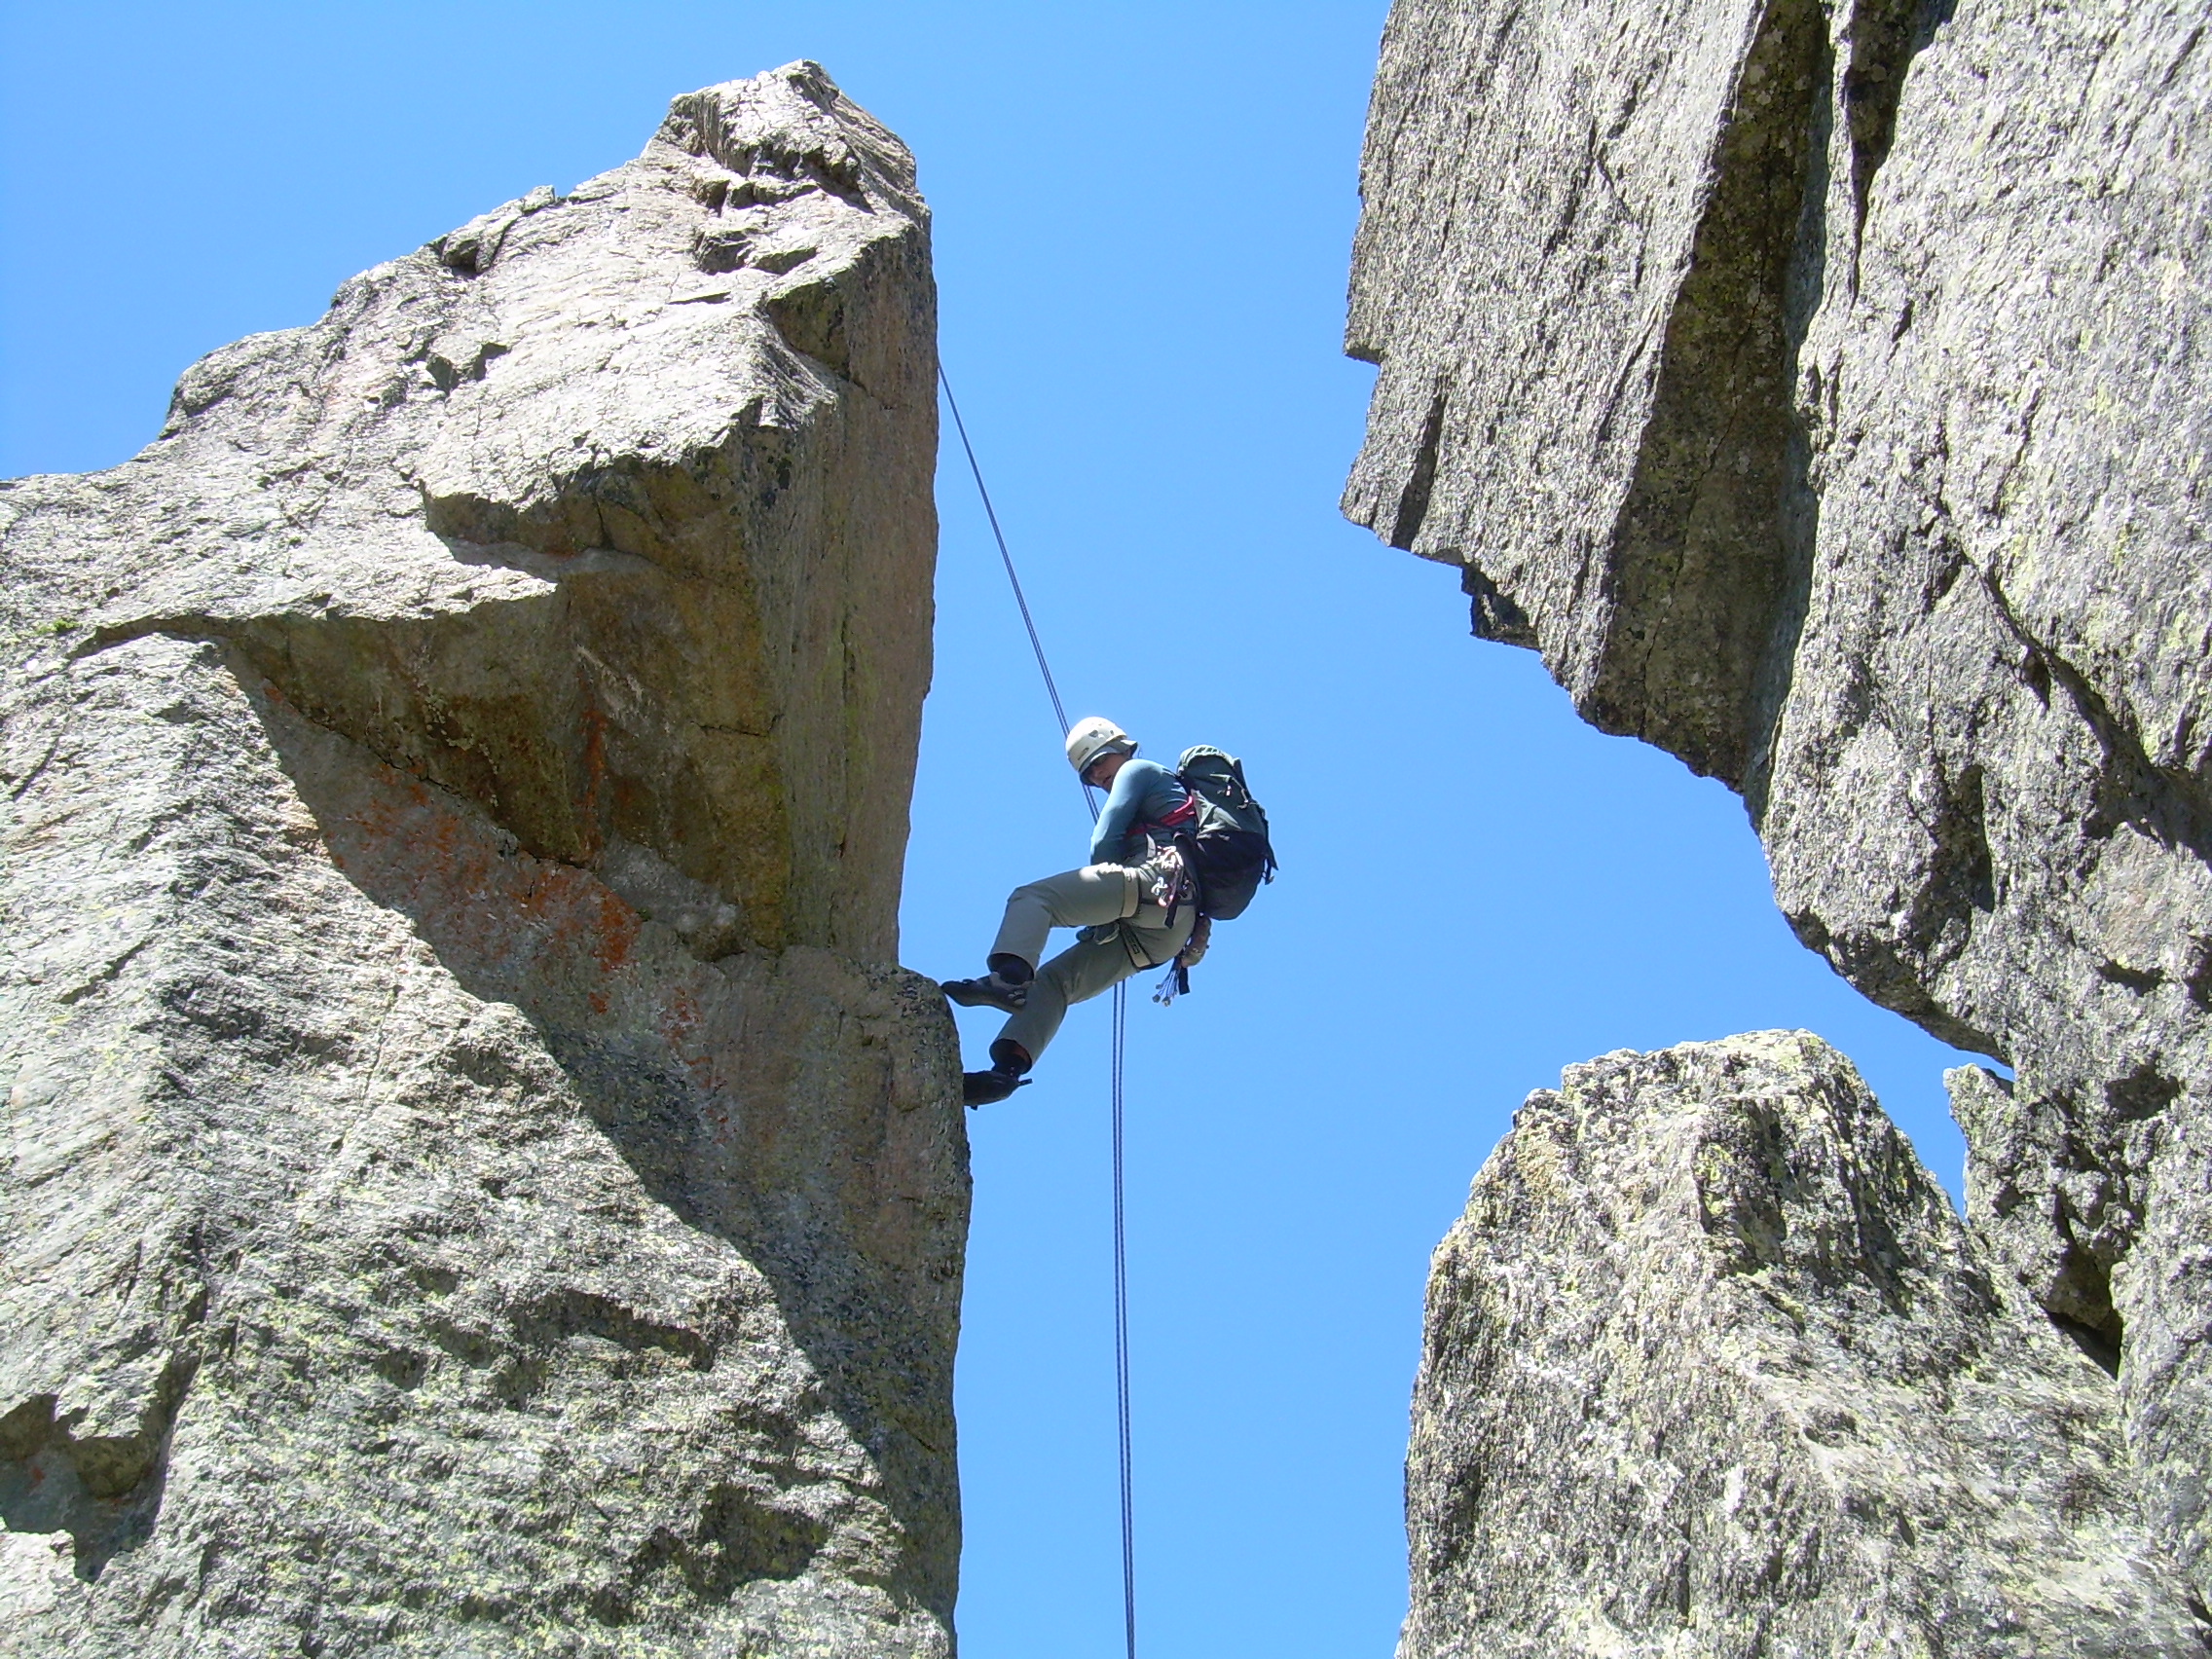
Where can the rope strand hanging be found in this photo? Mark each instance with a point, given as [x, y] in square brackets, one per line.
[1029, 622]
[1120, 1024]
[1119, 1046]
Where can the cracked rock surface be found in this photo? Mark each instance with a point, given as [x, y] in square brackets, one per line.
[477, 1181]
[1824, 391]
[1711, 1368]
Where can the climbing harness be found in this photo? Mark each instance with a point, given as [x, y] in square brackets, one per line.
[1120, 1025]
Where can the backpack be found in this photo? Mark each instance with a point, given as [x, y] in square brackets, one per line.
[1225, 845]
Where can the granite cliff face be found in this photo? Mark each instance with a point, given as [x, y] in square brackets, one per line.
[1825, 393]
[1713, 1368]
[478, 1182]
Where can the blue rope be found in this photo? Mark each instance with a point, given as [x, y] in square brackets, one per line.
[1119, 1027]
[1122, 1328]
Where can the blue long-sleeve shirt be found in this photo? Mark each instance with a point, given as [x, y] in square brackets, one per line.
[1144, 793]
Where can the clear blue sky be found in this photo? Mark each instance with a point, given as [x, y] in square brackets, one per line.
[1143, 216]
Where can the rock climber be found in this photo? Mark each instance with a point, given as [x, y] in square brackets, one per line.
[1134, 902]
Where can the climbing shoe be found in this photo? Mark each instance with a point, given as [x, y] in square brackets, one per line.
[1010, 1061]
[998, 991]
[988, 1087]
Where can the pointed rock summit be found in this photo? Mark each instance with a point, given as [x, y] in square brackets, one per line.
[1712, 1367]
[478, 1181]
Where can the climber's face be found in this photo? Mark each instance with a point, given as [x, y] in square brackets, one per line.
[1099, 774]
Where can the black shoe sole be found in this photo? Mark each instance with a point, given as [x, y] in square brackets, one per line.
[988, 1087]
[974, 993]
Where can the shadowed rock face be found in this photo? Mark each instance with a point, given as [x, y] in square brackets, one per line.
[1711, 1368]
[478, 1180]
[1823, 391]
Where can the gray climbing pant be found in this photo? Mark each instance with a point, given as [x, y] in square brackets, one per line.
[1125, 932]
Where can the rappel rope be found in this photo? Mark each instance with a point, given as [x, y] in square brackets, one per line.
[1121, 1026]
[1051, 687]
[1119, 1046]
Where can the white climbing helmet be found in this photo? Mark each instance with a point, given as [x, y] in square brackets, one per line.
[1092, 736]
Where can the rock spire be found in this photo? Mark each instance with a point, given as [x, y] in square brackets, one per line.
[479, 1181]
[1712, 1367]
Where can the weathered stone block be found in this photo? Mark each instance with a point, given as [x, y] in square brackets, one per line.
[1713, 1368]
